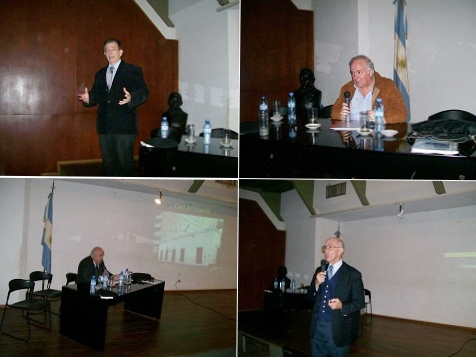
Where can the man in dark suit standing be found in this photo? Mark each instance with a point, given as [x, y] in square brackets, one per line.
[91, 265]
[117, 90]
[338, 294]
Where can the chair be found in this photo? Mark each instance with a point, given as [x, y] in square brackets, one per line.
[48, 293]
[368, 304]
[454, 114]
[71, 278]
[325, 112]
[218, 133]
[28, 306]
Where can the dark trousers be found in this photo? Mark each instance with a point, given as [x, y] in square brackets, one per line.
[322, 342]
[117, 154]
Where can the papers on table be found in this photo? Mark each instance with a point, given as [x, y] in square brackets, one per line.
[345, 125]
[146, 145]
[432, 146]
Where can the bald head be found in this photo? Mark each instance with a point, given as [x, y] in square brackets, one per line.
[97, 254]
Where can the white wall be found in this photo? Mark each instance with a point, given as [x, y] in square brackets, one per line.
[208, 62]
[441, 49]
[402, 260]
[85, 216]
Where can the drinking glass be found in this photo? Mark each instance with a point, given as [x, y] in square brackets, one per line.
[364, 122]
[191, 132]
[226, 137]
[312, 115]
[277, 108]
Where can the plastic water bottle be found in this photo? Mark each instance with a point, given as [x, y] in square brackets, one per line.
[263, 117]
[207, 132]
[291, 109]
[126, 276]
[92, 287]
[121, 279]
[275, 284]
[293, 286]
[105, 279]
[283, 285]
[379, 112]
[164, 128]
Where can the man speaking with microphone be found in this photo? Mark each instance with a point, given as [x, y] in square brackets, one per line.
[338, 294]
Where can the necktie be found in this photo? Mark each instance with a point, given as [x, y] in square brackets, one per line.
[109, 77]
[329, 272]
[96, 270]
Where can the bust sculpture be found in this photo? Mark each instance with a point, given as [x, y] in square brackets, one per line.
[176, 117]
[307, 96]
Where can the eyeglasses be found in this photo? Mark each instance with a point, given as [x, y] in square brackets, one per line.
[328, 247]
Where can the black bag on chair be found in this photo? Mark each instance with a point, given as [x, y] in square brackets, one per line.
[455, 130]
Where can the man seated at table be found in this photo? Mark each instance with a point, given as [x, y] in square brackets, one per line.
[365, 87]
[92, 265]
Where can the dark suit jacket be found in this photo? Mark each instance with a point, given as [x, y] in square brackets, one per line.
[86, 270]
[114, 118]
[350, 290]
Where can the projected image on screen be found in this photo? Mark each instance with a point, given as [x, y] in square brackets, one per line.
[187, 239]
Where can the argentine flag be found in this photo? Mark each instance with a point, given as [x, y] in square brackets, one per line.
[400, 70]
[47, 238]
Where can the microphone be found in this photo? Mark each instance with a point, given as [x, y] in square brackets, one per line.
[323, 265]
[347, 101]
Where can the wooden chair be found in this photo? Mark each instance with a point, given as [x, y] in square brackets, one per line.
[28, 306]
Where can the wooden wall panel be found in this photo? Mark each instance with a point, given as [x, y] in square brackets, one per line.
[261, 251]
[48, 52]
[277, 40]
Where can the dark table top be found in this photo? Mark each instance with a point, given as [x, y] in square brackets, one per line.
[301, 152]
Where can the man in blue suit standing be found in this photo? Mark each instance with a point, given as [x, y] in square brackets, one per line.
[338, 294]
[117, 90]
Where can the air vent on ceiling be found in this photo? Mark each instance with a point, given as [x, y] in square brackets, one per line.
[335, 190]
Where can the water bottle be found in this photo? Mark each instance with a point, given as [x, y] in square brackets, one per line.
[121, 279]
[291, 109]
[126, 276]
[263, 117]
[283, 285]
[92, 287]
[207, 132]
[275, 284]
[105, 279]
[379, 112]
[164, 128]
[293, 286]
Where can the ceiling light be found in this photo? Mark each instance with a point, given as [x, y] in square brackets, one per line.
[337, 233]
[158, 200]
[400, 213]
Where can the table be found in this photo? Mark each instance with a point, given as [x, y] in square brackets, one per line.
[185, 160]
[323, 154]
[276, 302]
[84, 316]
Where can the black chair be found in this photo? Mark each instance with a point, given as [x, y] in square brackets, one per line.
[218, 133]
[454, 114]
[325, 112]
[71, 278]
[46, 293]
[28, 306]
[368, 305]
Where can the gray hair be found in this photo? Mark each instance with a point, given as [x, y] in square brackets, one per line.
[368, 61]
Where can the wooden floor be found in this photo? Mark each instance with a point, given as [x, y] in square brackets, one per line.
[198, 323]
[383, 337]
